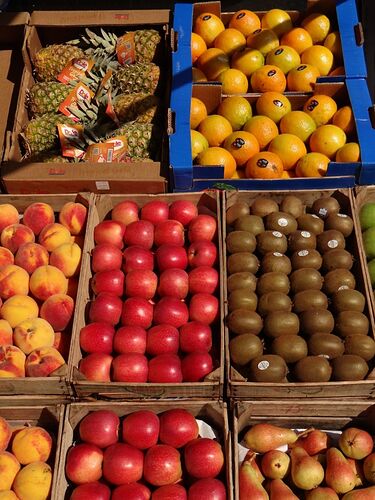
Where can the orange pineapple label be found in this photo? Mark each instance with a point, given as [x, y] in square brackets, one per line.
[110, 110]
[120, 147]
[71, 140]
[80, 92]
[75, 69]
[104, 84]
[125, 49]
[101, 152]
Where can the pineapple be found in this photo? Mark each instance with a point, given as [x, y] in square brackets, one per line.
[49, 61]
[46, 97]
[50, 157]
[136, 78]
[141, 108]
[143, 139]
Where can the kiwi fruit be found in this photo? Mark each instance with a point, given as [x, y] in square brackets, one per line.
[325, 206]
[264, 206]
[340, 222]
[311, 223]
[241, 241]
[305, 279]
[280, 221]
[328, 240]
[274, 301]
[292, 205]
[291, 348]
[301, 240]
[338, 279]
[268, 368]
[242, 299]
[244, 348]
[273, 282]
[236, 210]
[242, 261]
[314, 321]
[279, 323]
[351, 322]
[241, 280]
[309, 299]
[251, 223]
[275, 261]
[349, 367]
[306, 258]
[271, 241]
[348, 300]
[337, 258]
[325, 344]
[242, 321]
[360, 345]
[313, 369]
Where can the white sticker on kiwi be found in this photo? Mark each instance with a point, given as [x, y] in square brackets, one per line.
[277, 254]
[277, 234]
[263, 365]
[306, 234]
[323, 356]
[315, 216]
[303, 253]
[343, 287]
[342, 215]
[323, 211]
[282, 222]
[333, 244]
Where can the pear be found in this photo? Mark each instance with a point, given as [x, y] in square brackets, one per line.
[369, 468]
[357, 467]
[307, 473]
[275, 464]
[356, 443]
[322, 493]
[340, 476]
[313, 441]
[252, 458]
[278, 490]
[249, 484]
[362, 494]
[266, 437]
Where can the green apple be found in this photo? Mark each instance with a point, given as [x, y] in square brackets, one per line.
[371, 270]
[367, 216]
[369, 242]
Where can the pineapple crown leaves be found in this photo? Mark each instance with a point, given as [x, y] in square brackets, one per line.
[106, 42]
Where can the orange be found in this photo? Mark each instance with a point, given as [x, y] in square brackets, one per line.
[348, 153]
[312, 165]
[218, 156]
[236, 109]
[321, 108]
[233, 81]
[317, 25]
[274, 105]
[242, 146]
[339, 71]
[215, 128]
[263, 40]
[344, 119]
[268, 78]
[278, 21]
[327, 139]
[333, 43]
[198, 75]
[198, 143]
[239, 174]
[297, 123]
[320, 57]
[264, 165]
[213, 62]
[302, 78]
[198, 46]
[289, 149]
[245, 21]
[198, 112]
[288, 174]
[297, 38]
[230, 40]
[285, 58]
[247, 60]
[263, 128]
[208, 26]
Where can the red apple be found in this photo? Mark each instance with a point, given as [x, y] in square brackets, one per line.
[169, 232]
[91, 491]
[96, 367]
[165, 368]
[195, 366]
[203, 279]
[122, 464]
[84, 463]
[130, 339]
[171, 311]
[174, 282]
[136, 257]
[171, 256]
[155, 211]
[203, 458]
[132, 491]
[105, 257]
[100, 427]
[170, 492]
[195, 336]
[182, 210]
[162, 339]
[132, 367]
[141, 283]
[177, 427]
[162, 465]
[140, 233]
[202, 253]
[137, 311]
[108, 281]
[125, 212]
[110, 231]
[203, 307]
[208, 489]
[97, 337]
[202, 227]
[141, 429]
[106, 307]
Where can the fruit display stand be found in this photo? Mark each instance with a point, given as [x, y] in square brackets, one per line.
[212, 385]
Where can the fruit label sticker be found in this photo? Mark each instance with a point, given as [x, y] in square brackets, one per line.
[263, 365]
[303, 253]
[342, 215]
[110, 110]
[71, 141]
[120, 147]
[101, 152]
[333, 243]
[81, 92]
[282, 222]
[323, 212]
[343, 287]
[277, 234]
[75, 70]
[125, 49]
[306, 234]
[277, 254]
[104, 85]
[315, 216]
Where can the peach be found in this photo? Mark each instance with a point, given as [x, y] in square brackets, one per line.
[8, 495]
[32, 334]
[9, 466]
[43, 362]
[18, 308]
[62, 343]
[72, 287]
[32, 444]
[37, 216]
[8, 215]
[6, 332]
[13, 281]
[15, 235]
[12, 362]
[46, 281]
[67, 258]
[5, 434]
[58, 311]
[54, 235]
[33, 482]
[73, 216]
[6, 257]
[30, 256]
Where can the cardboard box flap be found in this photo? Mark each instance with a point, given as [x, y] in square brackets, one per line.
[14, 18]
[6, 91]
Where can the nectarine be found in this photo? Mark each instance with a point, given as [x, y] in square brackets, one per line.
[32, 334]
[58, 311]
[6, 257]
[13, 281]
[73, 216]
[9, 466]
[30, 256]
[8, 215]
[67, 258]
[6, 332]
[18, 308]
[54, 235]
[37, 216]
[15, 235]
[32, 444]
[43, 362]
[12, 362]
[46, 281]
[33, 481]
[5, 434]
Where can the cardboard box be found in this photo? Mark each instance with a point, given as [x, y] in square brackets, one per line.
[50, 27]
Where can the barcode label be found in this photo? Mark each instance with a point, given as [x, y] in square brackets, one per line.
[102, 185]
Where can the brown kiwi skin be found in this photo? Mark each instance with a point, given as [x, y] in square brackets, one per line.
[276, 371]
[241, 321]
[309, 299]
[350, 323]
[292, 205]
[313, 369]
[274, 301]
[276, 262]
[269, 241]
[236, 210]
[242, 262]
[325, 206]
[305, 279]
[330, 239]
[316, 321]
[325, 344]
[311, 223]
[269, 282]
[348, 300]
[241, 280]
[240, 241]
[249, 346]
[337, 258]
[340, 222]
[251, 223]
[263, 206]
[280, 221]
[361, 345]
[281, 323]
[338, 279]
[291, 348]
[301, 240]
[349, 367]
[242, 299]
[312, 259]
